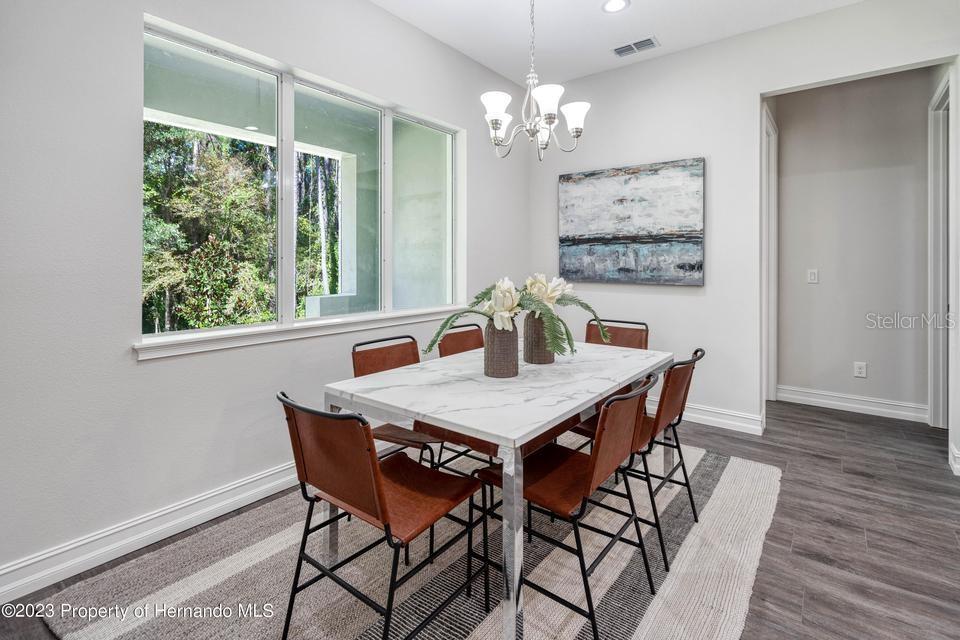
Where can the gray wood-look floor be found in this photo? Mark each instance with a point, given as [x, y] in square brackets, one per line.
[865, 542]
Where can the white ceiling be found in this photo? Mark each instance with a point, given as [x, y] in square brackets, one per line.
[576, 38]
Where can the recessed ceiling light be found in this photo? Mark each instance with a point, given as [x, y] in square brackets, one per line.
[613, 6]
[251, 127]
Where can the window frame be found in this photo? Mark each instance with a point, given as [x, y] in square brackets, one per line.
[287, 326]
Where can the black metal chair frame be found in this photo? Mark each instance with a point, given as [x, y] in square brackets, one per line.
[395, 581]
[575, 519]
[667, 478]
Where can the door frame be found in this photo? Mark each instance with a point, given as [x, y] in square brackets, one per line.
[940, 230]
[769, 254]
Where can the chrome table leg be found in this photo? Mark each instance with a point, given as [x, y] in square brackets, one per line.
[512, 602]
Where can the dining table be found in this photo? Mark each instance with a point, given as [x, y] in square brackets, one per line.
[454, 394]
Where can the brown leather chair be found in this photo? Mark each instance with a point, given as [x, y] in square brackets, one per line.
[401, 351]
[335, 454]
[673, 400]
[622, 333]
[460, 338]
[561, 482]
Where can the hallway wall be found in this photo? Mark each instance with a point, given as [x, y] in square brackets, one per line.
[853, 205]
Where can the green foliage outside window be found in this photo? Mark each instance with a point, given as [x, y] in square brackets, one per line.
[210, 229]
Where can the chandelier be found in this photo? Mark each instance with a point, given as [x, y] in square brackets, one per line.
[538, 113]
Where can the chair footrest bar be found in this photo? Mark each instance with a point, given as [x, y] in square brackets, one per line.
[606, 549]
[669, 445]
[553, 541]
[359, 595]
[576, 609]
[607, 534]
[328, 522]
[356, 554]
[607, 507]
[613, 492]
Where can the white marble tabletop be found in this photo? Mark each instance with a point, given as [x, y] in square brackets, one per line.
[453, 393]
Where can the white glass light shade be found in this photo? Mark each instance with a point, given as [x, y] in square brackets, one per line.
[495, 101]
[575, 113]
[548, 98]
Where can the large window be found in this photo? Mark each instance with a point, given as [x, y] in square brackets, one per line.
[263, 198]
[209, 191]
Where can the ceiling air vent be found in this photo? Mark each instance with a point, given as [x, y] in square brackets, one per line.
[636, 47]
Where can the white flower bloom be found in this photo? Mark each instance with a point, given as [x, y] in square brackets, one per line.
[504, 304]
[548, 293]
[557, 288]
[537, 286]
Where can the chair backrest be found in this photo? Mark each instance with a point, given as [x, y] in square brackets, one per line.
[634, 335]
[368, 359]
[335, 454]
[614, 439]
[460, 338]
[673, 395]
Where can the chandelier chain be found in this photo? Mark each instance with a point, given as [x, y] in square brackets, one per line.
[533, 34]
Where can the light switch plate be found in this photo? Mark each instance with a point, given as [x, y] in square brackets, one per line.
[859, 369]
[813, 276]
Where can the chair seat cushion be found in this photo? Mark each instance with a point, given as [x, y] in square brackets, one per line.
[554, 477]
[405, 437]
[419, 496]
[588, 427]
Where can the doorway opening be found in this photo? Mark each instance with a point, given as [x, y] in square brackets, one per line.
[856, 245]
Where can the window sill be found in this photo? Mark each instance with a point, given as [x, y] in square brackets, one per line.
[165, 346]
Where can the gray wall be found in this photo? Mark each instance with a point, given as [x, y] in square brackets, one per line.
[95, 443]
[853, 204]
[706, 102]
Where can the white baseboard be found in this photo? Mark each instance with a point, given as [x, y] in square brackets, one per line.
[858, 404]
[723, 418]
[954, 459]
[26, 575]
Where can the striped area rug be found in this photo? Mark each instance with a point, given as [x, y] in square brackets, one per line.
[231, 581]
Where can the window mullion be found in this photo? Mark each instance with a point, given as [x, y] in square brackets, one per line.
[386, 211]
[287, 221]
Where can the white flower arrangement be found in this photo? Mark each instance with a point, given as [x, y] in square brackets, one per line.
[502, 302]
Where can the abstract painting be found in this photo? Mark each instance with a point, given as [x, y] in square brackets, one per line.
[639, 225]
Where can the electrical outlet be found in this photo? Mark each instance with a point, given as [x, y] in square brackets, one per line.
[813, 276]
[859, 369]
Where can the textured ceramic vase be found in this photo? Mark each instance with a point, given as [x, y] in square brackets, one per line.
[535, 342]
[501, 352]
